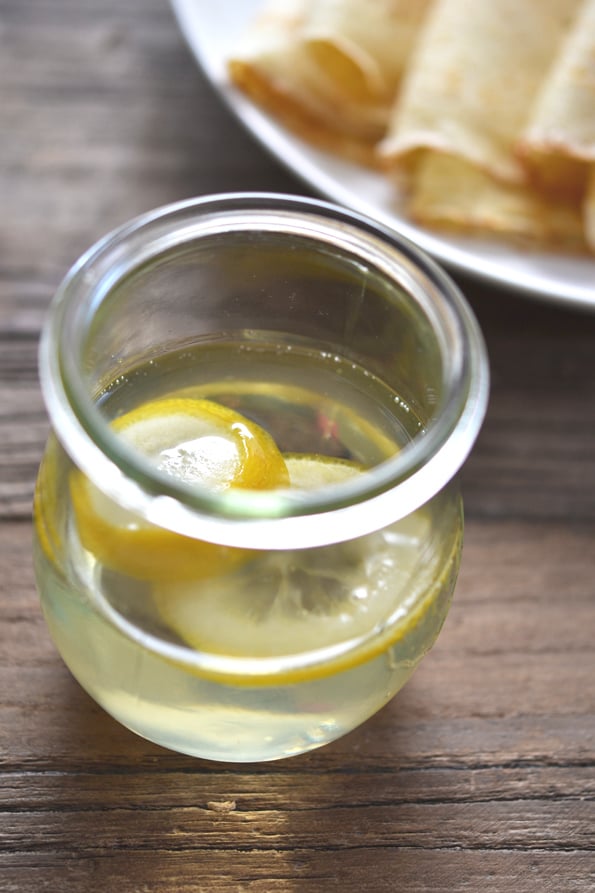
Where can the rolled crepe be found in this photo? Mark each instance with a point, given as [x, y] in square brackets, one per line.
[558, 145]
[472, 81]
[329, 69]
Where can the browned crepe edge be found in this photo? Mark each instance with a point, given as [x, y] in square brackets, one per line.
[288, 112]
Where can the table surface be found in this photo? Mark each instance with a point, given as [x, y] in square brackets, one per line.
[479, 776]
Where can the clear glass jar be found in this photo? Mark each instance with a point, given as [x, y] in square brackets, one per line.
[311, 604]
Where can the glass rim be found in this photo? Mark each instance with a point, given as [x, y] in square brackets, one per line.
[279, 518]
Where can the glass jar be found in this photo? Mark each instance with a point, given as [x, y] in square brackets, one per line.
[246, 624]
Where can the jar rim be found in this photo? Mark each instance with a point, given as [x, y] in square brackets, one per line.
[389, 491]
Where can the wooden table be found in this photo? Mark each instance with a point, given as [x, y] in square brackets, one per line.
[480, 775]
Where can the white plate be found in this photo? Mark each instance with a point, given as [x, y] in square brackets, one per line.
[212, 29]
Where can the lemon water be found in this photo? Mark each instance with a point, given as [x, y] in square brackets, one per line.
[268, 653]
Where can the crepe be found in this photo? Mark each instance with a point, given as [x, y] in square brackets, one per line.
[473, 78]
[558, 144]
[329, 69]
[481, 113]
[450, 193]
[454, 139]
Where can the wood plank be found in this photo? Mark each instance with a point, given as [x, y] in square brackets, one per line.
[515, 825]
[385, 870]
[217, 789]
[532, 459]
[23, 430]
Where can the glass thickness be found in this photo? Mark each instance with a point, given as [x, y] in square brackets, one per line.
[264, 619]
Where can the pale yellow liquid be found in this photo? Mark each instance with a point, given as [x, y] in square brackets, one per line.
[303, 645]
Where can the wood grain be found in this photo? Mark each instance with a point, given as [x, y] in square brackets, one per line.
[480, 776]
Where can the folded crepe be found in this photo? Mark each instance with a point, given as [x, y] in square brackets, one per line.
[558, 145]
[473, 78]
[450, 193]
[329, 69]
[560, 135]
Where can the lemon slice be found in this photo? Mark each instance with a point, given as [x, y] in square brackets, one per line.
[309, 472]
[285, 603]
[203, 442]
[199, 442]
